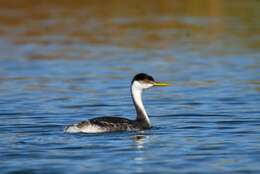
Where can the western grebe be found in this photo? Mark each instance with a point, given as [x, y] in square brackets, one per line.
[108, 124]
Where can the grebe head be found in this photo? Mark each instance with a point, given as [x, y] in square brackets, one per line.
[144, 81]
[139, 83]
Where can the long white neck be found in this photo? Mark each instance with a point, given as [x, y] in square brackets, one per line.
[142, 117]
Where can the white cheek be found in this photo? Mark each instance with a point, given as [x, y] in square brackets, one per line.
[137, 85]
[146, 86]
[141, 86]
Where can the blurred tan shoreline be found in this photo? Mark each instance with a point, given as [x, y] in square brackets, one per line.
[132, 24]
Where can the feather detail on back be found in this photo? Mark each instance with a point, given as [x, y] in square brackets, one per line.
[103, 124]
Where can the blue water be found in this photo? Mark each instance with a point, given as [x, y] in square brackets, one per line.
[207, 121]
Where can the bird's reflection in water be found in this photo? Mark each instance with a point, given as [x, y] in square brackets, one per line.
[140, 140]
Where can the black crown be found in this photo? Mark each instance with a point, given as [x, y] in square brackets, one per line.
[142, 77]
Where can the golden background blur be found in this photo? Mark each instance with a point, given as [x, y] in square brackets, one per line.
[132, 24]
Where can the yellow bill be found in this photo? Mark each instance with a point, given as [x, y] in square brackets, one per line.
[160, 84]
